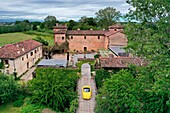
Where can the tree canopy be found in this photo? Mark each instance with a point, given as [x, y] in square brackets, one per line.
[106, 17]
[147, 88]
[50, 21]
[55, 88]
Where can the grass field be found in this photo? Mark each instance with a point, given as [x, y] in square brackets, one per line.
[10, 38]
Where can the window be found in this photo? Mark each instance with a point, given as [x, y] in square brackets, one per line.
[6, 62]
[27, 56]
[85, 48]
[84, 37]
[22, 58]
[35, 51]
[71, 37]
[27, 65]
[31, 53]
[86, 89]
[62, 38]
[98, 37]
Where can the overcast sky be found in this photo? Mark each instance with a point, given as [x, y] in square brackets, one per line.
[62, 9]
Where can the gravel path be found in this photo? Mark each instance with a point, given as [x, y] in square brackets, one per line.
[86, 106]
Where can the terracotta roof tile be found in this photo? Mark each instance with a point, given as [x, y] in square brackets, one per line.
[86, 32]
[12, 51]
[119, 62]
[60, 32]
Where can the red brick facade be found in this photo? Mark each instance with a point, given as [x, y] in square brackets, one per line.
[89, 40]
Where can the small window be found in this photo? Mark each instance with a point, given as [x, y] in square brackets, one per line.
[62, 38]
[27, 56]
[98, 37]
[35, 51]
[31, 53]
[84, 37]
[22, 58]
[71, 37]
[115, 29]
[6, 62]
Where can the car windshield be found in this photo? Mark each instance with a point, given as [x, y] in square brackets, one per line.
[86, 89]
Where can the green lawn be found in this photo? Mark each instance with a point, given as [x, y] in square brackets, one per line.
[8, 108]
[10, 38]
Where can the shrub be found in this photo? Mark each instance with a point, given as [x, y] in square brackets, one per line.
[54, 88]
[9, 89]
[18, 103]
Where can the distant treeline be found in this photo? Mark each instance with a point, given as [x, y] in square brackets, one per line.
[15, 28]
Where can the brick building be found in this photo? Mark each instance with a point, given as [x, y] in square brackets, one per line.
[20, 57]
[90, 40]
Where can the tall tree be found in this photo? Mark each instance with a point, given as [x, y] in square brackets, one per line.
[71, 24]
[142, 89]
[50, 21]
[108, 16]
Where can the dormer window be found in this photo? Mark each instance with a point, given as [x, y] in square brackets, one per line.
[84, 37]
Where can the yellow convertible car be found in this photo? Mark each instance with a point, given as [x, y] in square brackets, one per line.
[86, 92]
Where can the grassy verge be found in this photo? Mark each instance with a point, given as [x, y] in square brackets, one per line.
[9, 108]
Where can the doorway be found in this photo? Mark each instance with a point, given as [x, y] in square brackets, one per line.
[85, 49]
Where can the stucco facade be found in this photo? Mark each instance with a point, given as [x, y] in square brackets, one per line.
[22, 62]
[90, 40]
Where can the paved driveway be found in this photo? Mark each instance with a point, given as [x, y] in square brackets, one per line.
[86, 106]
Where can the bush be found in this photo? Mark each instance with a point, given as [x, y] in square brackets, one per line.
[9, 89]
[32, 108]
[18, 103]
[54, 88]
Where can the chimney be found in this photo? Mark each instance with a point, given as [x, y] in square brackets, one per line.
[78, 29]
[91, 29]
[103, 29]
[57, 24]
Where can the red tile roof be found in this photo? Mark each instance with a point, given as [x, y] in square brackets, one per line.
[119, 62]
[60, 27]
[86, 32]
[111, 33]
[60, 32]
[12, 51]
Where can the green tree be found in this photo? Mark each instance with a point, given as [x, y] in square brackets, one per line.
[119, 94]
[71, 24]
[10, 89]
[54, 88]
[106, 17]
[50, 21]
[90, 21]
